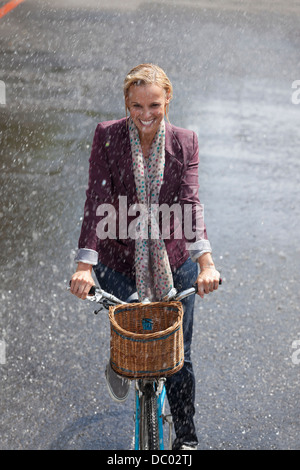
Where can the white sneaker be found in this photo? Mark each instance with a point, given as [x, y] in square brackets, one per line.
[187, 447]
[118, 386]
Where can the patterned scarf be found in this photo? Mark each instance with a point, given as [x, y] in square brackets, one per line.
[154, 278]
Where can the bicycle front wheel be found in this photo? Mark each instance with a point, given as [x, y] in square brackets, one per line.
[149, 437]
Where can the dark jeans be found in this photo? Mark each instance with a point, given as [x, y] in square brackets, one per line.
[180, 386]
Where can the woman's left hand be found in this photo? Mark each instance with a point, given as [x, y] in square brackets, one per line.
[208, 280]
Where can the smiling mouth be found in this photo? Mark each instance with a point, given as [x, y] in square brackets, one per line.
[147, 123]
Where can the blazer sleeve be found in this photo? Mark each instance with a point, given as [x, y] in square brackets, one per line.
[99, 190]
[194, 227]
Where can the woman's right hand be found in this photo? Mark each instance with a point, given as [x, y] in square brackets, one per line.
[82, 280]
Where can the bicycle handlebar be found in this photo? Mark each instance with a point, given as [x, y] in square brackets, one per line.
[98, 295]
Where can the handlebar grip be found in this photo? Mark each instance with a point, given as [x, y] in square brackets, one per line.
[196, 285]
[92, 290]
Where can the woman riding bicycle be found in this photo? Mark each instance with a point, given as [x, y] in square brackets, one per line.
[138, 164]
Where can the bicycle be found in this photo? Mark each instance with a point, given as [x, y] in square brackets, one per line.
[150, 392]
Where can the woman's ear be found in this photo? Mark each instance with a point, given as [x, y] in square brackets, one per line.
[126, 102]
[168, 97]
[126, 106]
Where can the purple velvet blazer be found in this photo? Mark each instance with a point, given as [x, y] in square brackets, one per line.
[111, 175]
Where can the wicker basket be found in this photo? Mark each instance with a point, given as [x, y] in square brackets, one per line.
[146, 339]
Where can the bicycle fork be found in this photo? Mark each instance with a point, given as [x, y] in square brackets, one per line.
[150, 395]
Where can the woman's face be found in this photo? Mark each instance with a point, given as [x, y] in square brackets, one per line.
[146, 104]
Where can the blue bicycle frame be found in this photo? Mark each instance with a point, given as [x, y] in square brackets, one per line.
[160, 417]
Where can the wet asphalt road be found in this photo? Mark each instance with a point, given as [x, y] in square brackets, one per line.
[232, 68]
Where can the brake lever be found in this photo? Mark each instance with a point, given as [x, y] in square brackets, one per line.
[99, 310]
[105, 304]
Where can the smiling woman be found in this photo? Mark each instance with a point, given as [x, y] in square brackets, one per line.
[150, 163]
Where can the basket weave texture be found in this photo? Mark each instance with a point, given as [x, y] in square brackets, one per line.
[146, 339]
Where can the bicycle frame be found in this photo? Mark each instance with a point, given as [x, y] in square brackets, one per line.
[160, 391]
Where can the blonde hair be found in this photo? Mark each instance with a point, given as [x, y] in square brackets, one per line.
[148, 74]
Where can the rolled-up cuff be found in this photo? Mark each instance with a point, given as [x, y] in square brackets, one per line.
[86, 255]
[198, 248]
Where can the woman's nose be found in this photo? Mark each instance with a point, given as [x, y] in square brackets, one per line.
[146, 113]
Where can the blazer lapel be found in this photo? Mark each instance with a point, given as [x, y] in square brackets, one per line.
[124, 164]
[173, 165]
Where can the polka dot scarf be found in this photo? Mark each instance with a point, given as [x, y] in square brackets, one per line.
[154, 278]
